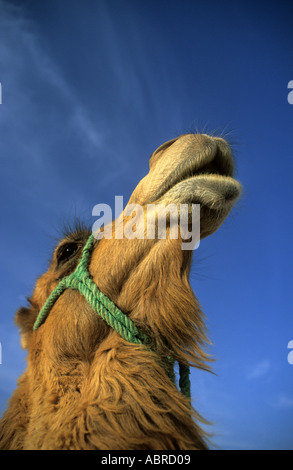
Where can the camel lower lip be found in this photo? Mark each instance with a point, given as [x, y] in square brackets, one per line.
[219, 190]
[195, 176]
[211, 190]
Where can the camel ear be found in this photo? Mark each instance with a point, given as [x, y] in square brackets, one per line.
[25, 319]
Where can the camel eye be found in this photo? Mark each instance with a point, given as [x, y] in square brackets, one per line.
[66, 251]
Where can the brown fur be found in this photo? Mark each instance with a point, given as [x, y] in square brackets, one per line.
[84, 386]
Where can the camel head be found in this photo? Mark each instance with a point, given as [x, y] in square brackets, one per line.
[147, 279]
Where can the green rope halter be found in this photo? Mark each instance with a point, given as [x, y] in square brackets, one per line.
[81, 281]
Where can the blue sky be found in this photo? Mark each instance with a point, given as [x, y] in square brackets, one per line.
[89, 90]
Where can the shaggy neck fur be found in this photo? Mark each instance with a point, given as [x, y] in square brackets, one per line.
[82, 377]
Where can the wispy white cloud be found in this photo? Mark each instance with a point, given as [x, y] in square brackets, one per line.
[31, 81]
[49, 136]
[283, 401]
[259, 370]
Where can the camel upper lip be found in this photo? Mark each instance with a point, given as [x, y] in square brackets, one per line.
[216, 163]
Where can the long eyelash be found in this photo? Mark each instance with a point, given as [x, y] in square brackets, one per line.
[74, 226]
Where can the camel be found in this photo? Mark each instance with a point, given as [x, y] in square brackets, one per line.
[85, 386]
